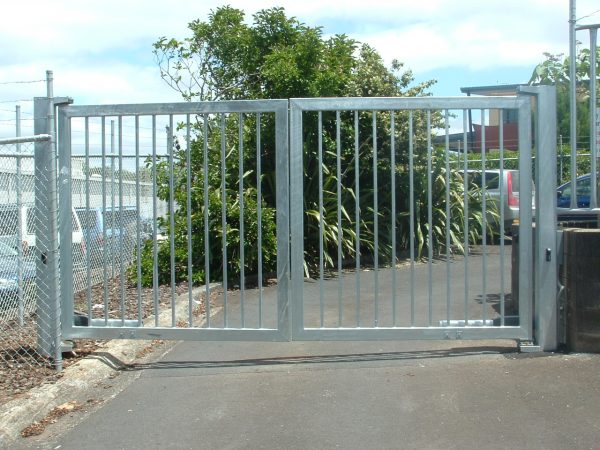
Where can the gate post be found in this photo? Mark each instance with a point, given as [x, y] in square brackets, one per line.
[46, 220]
[545, 253]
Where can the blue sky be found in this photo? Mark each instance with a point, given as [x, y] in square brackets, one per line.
[101, 52]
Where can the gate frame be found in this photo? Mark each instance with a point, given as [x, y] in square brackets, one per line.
[69, 331]
[545, 299]
[546, 243]
[290, 219]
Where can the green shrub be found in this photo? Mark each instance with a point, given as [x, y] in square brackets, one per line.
[179, 233]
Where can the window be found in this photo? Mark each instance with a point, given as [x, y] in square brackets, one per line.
[491, 180]
[510, 116]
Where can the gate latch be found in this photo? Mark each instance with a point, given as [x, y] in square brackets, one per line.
[548, 254]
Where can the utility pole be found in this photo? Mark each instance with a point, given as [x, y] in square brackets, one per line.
[573, 99]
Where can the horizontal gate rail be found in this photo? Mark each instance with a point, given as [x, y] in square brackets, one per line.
[206, 181]
[362, 172]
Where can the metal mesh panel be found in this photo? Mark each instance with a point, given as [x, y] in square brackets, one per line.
[114, 215]
[24, 327]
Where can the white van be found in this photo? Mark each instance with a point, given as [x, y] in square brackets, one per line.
[18, 228]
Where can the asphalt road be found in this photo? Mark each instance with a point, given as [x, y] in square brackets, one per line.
[356, 395]
[349, 395]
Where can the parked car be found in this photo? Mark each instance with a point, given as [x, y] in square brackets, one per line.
[108, 232]
[510, 204]
[18, 228]
[583, 195]
[9, 275]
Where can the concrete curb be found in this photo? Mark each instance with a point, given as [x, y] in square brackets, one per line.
[82, 376]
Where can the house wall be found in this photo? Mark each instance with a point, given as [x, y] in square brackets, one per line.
[492, 140]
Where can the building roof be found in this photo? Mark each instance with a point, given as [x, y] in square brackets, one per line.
[496, 90]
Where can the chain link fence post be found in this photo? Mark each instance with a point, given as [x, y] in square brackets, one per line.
[46, 219]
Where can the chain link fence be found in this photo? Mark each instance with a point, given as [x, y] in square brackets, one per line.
[25, 322]
[113, 215]
[116, 212]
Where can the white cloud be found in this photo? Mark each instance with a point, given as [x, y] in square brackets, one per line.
[101, 51]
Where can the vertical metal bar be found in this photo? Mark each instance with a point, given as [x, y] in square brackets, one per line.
[121, 262]
[573, 99]
[282, 180]
[104, 237]
[18, 125]
[20, 225]
[525, 218]
[321, 216]
[467, 197]
[296, 226]
[259, 218]
[46, 286]
[138, 218]
[545, 207]
[484, 214]
[561, 158]
[224, 220]
[171, 156]
[47, 211]
[88, 265]
[429, 221]
[155, 286]
[357, 213]
[339, 211]
[62, 218]
[412, 216]
[502, 186]
[448, 211]
[593, 129]
[241, 201]
[393, 224]
[544, 244]
[206, 222]
[375, 220]
[112, 198]
[190, 261]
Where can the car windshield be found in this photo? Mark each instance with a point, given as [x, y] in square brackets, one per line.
[491, 180]
[583, 188]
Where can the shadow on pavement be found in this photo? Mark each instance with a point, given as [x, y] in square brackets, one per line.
[117, 364]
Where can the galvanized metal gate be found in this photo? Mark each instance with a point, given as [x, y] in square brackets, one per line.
[203, 161]
[369, 224]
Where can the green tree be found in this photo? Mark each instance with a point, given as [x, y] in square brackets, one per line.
[554, 70]
[280, 57]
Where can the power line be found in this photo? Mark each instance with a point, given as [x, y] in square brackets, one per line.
[588, 15]
[21, 82]
[12, 111]
[15, 101]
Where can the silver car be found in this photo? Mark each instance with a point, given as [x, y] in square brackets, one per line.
[505, 203]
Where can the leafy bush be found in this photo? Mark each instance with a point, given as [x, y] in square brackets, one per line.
[376, 218]
[216, 232]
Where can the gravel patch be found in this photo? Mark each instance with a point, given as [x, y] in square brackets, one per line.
[22, 368]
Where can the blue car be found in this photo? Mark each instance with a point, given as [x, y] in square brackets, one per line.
[563, 201]
[109, 234]
[9, 275]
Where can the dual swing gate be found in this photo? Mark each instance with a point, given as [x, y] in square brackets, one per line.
[308, 219]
